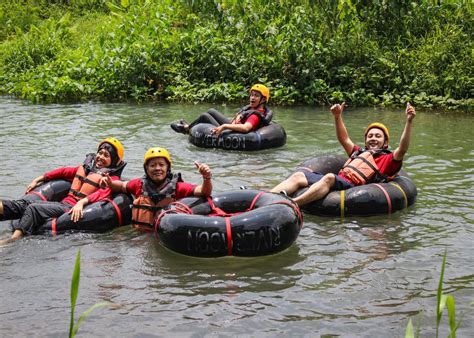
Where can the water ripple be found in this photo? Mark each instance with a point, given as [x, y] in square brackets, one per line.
[357, 276]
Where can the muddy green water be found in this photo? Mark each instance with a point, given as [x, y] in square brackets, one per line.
[351, 277]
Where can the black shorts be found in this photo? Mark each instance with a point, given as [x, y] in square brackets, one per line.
[340, 184]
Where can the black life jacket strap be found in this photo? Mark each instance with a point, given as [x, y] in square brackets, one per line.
[146, 207]
[77, 193]
[363, 159]
[358, 172]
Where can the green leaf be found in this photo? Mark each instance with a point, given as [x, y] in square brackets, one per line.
[442, 303]
[409, 332]
[440, 292]
[114, 8]
[74, 290]
[125, 3]
[450, 304]
[86, 313]
[65, 19]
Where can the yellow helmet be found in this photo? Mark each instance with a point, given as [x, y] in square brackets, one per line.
[156, 152]
[380, 126]
[116, 144]
[262, 90]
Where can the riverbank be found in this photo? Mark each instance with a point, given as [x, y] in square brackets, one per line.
[199, 51]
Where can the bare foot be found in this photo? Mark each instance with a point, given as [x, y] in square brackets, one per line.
[17, 234]
[6, 241]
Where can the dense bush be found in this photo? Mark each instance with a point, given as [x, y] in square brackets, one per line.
[311, 52]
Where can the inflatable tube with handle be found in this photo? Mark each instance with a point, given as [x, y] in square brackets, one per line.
[363, 200]
[54, 191]
[270, 136]
[251, 223]
[98, 217]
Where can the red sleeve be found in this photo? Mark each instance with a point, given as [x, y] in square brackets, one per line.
[64, 173]
[134, 186]
[356, 148]
[388, 165]
[254, 120]
[184, 189]
[101, 194]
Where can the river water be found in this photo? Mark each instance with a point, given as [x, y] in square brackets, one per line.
[351, 277]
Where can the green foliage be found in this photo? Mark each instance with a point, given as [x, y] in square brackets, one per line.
[443, 301]
[409, 333]
[74, 326]
[18, 16]
[310, 52]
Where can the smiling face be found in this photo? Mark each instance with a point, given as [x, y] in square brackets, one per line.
[375, 139]
[157, 169]
[256, 99]
[103, 159]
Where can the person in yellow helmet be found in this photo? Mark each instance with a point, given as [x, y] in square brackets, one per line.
[85, 189]
[247, 119]
[158, 187]
[371, 164]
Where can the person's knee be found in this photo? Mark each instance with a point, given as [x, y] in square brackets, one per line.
[9, 210]
[329, 180]
[29, 211]
[299, 179]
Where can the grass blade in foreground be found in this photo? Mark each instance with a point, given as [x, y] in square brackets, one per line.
[74, 290]
[73, 327]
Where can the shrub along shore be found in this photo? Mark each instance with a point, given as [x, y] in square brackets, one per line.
[308, 52]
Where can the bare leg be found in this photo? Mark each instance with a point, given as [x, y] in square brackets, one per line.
[316, 191]
[1, 209]
[292, 184]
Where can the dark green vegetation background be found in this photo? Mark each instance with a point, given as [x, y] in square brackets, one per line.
[308, 52]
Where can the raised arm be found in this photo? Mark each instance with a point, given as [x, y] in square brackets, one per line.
[341, 131]
[205, 189]
[400, 152]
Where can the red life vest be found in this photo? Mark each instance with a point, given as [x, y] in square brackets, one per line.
[265, 116]
[150, 202]
[361, 168]
[87, 178]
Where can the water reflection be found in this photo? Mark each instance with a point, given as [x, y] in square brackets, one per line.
[227, 274]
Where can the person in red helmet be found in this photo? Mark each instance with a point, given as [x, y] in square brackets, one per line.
[158, 187]
[373, 163]
[85, 188]
[249, 118]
